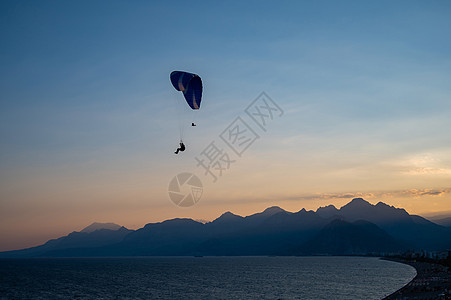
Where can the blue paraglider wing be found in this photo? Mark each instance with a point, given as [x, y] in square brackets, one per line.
[190, 85]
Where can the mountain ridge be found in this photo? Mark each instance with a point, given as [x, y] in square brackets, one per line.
[97, 226]
[356, 228]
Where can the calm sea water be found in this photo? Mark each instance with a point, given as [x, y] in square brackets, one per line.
[202, 278]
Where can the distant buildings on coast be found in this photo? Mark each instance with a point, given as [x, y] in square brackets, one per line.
[442, 257]
[434, 255]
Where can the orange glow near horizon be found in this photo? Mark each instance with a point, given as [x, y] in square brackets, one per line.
[36, 229]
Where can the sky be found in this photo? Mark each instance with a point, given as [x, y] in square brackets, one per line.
[89, 120]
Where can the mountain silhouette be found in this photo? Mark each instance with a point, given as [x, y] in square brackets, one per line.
[446, 221]
[74, 240]
[340, 237]
[96, 226]
[415, 231]
[358, 227]
[327, 211]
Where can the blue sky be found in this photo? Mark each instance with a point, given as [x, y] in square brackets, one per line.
[88, 123]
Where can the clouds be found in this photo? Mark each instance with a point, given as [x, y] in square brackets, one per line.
[426, 192]
[428, 171]
[375, 195]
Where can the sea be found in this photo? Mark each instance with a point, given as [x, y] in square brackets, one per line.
[320, 277]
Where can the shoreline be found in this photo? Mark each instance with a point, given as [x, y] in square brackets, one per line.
[433, 281]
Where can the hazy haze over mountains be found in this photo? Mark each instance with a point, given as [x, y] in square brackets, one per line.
[356, 228]
[96, 226]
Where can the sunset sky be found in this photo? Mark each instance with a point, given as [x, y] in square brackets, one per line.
[90, 122]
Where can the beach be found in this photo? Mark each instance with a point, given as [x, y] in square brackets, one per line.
[433, 281]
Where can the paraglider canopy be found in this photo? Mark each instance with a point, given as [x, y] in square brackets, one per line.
[190, 85]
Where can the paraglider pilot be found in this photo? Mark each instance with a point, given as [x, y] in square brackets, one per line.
[181, 148]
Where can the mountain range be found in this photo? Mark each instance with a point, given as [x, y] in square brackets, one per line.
[358, 228]
[442, 220]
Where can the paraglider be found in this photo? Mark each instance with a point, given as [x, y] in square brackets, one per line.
[191, 86]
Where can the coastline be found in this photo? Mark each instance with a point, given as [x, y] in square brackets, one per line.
[433, 281]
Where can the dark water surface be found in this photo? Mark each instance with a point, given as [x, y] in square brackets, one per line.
[202, 278]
